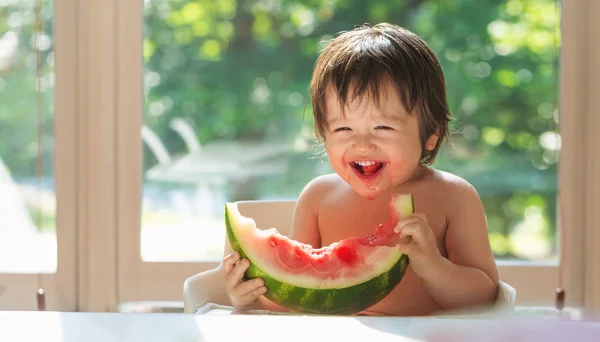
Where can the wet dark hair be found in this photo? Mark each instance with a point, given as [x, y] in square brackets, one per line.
[364, 58]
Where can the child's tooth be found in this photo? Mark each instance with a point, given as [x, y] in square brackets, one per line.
[365, 162]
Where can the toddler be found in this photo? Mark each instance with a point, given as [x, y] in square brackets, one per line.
[380, 110]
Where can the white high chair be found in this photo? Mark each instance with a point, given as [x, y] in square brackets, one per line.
[206, 287]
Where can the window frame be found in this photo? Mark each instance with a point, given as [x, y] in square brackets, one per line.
[99, 199]
[60, 288]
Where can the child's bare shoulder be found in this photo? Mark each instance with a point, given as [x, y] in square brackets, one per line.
[453, 191]
[306, 213]
[316, 191]
[320, 190]
[450, 183]
[323, 186]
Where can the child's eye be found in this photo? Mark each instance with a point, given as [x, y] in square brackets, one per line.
[383, 127]
[342, 129]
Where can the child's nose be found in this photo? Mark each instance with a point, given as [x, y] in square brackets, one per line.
[363, 143]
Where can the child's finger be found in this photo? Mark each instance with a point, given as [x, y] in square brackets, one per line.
[229, 262]
[237, 274]
[253, 295]
[410, 220]
[246, 287]
[240, 268]
[249, 297]
[405, 248]
[412, 229]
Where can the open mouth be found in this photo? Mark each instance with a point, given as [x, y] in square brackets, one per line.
[367, 168]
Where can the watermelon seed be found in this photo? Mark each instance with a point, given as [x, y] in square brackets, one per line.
[273, 243]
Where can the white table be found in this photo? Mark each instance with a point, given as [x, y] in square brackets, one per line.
[95, 327]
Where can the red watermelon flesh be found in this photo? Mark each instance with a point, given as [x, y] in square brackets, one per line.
[335, 260]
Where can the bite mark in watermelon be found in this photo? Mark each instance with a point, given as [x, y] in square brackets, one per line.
[345, 277]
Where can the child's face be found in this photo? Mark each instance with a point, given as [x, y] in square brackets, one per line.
[373, 148]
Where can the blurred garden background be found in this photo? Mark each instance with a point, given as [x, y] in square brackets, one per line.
[227, 115]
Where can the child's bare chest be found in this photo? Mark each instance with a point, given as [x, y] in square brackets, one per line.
[341, 219]
[336, 224]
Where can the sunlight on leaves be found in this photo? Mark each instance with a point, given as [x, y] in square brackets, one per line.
[192, 12]
[528, 236]
[521, 140]
[201, 28]
[550, 141]
[500, 243]
[262, 25]
[534, 29]
[493, 136]
[507, 78]
[514, 7]
[304, 19]
[226, 8]
[225, 30]
[538, 41]
[211, 50]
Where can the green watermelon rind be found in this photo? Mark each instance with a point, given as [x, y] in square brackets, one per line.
[348, 300]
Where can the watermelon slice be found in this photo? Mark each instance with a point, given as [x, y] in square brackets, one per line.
[343, 278]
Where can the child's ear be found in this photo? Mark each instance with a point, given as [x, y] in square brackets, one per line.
[431, 142]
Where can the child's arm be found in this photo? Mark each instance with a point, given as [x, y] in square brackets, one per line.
[205, 287]
[468, 277]
[305, 226]
[209, 286]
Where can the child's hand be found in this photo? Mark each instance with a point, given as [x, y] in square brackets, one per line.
[242, 294]
[418, 242]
